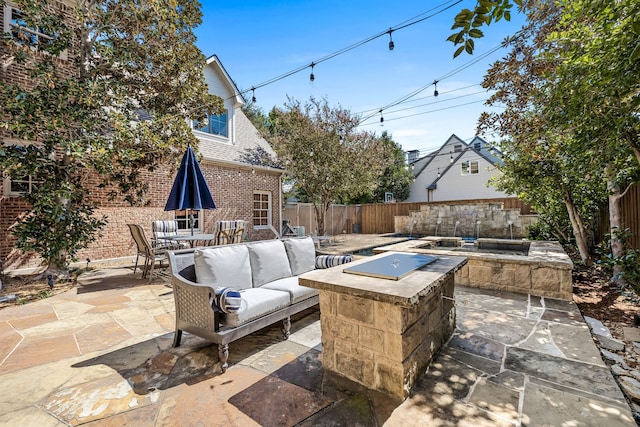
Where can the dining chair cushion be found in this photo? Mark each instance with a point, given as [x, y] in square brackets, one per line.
[269, 261]
[301, 253]
[223, 266]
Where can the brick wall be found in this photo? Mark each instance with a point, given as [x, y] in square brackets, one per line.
[232, 190]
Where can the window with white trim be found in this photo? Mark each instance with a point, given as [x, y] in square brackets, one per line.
[19, 187]
[185, 217]
[25, 34]
[261, 209]
[216, 124]
[457, 148]
[469, 167]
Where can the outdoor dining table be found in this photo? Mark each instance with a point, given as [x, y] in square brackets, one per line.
[192, 238]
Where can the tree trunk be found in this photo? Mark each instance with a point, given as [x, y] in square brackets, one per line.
[320, 215]
[578, 229]
[615, 224]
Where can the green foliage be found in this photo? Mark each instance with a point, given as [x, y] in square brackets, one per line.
[396, 178]
[324, 154]
[628, 263]
[114, 109]
[467, 22]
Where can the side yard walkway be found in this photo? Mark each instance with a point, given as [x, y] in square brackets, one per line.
[101, 355]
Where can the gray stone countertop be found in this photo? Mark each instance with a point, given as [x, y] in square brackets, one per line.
[406, 291]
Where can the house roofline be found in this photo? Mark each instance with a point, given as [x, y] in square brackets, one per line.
[241, 165]
[239, 98]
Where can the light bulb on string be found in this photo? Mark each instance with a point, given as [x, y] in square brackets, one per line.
[450, 157]
[381, 119]
[438, 172]
[391, 44]
[435, 90]
[253, 93]
[312, 77]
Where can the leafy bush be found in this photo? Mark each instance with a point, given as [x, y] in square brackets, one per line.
[629, 262]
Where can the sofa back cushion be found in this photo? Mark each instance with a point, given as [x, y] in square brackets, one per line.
[269, 262]
[224, 266]
[301, 253]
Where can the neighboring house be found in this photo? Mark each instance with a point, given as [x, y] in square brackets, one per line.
[456, 171]
[235, 161]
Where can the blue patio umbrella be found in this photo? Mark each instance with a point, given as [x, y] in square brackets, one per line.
[190, 190]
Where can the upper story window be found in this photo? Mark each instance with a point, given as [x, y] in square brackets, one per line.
[217, 124]
[24, 33]
[19, 187]
[261, 209]
[477, 146]
[457, 148]
[469, 167]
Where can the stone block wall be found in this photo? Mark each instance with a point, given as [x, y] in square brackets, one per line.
[382, 345]
[462, 221]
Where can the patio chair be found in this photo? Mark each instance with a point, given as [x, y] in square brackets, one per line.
[144, 248]
[164, 229]
[227, 232]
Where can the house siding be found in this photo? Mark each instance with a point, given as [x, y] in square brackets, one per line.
[438, 175]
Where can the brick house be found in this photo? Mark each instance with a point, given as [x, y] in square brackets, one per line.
[230, 149]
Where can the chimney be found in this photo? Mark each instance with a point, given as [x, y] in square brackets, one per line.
[413, 155]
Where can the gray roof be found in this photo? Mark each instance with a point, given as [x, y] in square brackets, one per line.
[249, 148]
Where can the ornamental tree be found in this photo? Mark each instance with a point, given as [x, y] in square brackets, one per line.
[105, 94]
[324, 153]
[570, 93]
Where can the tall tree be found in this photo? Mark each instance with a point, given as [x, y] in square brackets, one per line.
[324, 153]
[396, 178]
[105, 92]
[570, 86]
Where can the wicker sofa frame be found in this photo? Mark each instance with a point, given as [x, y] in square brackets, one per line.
[195, 315]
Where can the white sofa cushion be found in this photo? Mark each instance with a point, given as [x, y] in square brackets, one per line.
[301, 253]
[256, 302]
[224, 266]
[269, 262]
[290, 285]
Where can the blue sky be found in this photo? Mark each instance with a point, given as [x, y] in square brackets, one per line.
[257, 41]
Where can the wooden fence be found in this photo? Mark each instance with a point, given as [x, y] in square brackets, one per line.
[630, 207]
[377, 218]
[373, 218]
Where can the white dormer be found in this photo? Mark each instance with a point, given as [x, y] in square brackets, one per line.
[221, 127]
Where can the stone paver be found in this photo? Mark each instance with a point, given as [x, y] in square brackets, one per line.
[101, 355]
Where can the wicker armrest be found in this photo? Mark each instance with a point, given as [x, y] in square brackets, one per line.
[194, 312]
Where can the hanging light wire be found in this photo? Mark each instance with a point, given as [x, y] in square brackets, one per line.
[451, 73]
[442, 8]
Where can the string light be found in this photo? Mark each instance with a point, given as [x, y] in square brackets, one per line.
[381, 119]
[435, 88]
[450, 157]
[312, 77]
[253, 93]
[436, 11]
[438, 172]
[391, 44]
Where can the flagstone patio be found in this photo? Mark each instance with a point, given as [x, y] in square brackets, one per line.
[101, 355]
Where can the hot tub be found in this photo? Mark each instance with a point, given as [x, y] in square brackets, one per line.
[540, 268]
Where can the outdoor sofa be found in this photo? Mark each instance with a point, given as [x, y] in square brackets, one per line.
[224, 293]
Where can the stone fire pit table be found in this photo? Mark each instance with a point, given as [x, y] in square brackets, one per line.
[383, 333]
